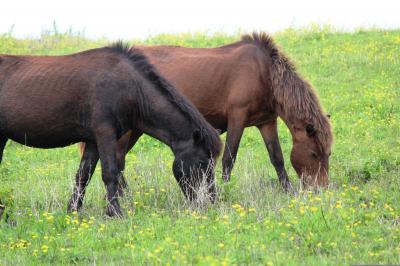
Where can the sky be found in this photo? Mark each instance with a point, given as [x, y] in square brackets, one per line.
[117, 19]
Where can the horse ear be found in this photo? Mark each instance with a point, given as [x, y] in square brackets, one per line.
[310, 130]
[197, 136]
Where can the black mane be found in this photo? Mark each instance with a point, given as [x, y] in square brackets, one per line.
[142, 64]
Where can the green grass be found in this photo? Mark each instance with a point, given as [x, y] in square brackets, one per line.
[355, 221]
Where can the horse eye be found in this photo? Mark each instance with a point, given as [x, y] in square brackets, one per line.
[314, 155]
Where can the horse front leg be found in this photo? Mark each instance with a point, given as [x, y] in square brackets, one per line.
[86, 168]
[107, 145]
[269, 133]
[124, 145]
[236, 123]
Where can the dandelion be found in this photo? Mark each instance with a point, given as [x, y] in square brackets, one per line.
[84, 225]
[45, 248]
[102, 227]
[355, 188]
[221, 245]
[373, 254]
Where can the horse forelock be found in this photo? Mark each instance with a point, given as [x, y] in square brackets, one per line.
[208, 134]
[294, 95]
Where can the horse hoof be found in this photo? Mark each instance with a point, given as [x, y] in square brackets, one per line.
[288, 188]
[114, 212]
[73, 207]
[226, 178]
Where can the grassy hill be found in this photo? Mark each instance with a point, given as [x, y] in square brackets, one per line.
[355, 221]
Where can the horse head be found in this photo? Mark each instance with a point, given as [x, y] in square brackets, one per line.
[193, 168]
[310, 155]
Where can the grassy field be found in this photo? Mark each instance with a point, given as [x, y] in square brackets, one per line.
[355, 221]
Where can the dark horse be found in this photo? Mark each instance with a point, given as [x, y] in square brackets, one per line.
[96, 97]
[250, 83]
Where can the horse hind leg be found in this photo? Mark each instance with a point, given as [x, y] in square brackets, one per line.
[3, 141]
[87, 166]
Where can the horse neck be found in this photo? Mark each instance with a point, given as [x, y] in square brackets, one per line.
[166, 122]
[289, 119]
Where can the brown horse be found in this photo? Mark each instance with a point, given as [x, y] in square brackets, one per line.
[250, 83]
[96, 97]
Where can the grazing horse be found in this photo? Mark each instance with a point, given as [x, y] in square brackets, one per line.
[96, 97]
[250, 83]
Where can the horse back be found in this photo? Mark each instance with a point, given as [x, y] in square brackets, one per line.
[58, 92]
[217, 80]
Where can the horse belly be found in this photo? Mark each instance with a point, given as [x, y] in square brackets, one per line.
[48, 138]
[40, 129]
[38, 122]
[218, 122]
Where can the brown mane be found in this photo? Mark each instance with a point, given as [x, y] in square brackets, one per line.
[293, 94]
